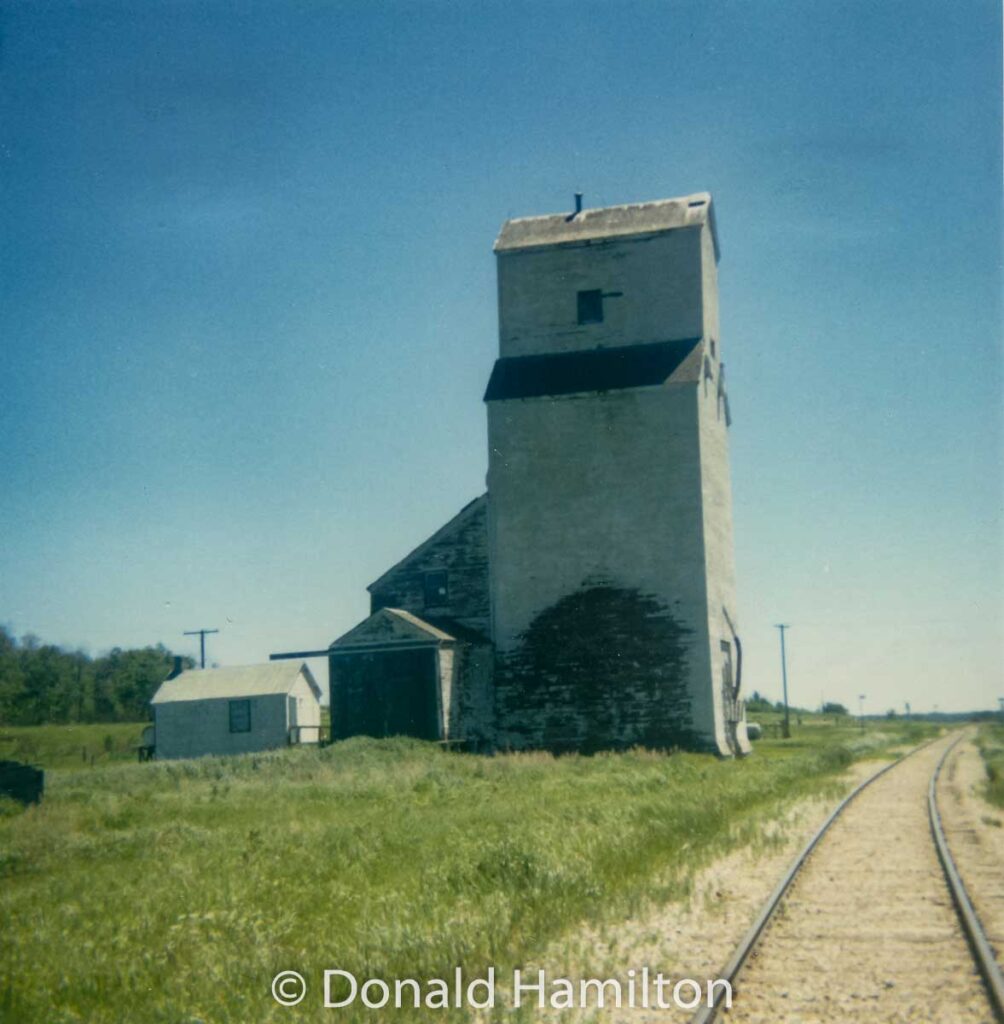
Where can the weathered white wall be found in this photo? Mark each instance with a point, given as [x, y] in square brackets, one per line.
[446, 667]
[716, 497]
[588, 485]
[717, 490]
[194, 728]
[659, 275]
[709, 287]
[308, 711]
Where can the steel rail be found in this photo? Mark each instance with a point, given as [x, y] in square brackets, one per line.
[707, 1014]
[975, 935]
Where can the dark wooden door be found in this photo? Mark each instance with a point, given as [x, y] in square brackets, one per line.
[386, 693]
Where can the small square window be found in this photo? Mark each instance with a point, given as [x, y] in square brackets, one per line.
[590, 307]
[435, 589]
[240, 716]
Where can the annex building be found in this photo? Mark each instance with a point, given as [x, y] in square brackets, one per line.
[587, 600]
[235, 710]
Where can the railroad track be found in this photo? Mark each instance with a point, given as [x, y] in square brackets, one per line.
[914, 937]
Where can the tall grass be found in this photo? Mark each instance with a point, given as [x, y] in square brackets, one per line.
[70, 746]
[991, 745]
[173, 892]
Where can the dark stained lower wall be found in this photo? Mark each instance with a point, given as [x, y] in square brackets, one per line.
[603, 668]
[472, 710]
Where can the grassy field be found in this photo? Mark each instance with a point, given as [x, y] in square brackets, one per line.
[70, 746]
[174, 892]
[991, 744]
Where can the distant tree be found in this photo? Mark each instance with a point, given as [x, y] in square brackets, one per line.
[758, 703]
[47, 684]
[41, 683]
[13, 691]
[830, 708]
[891, 713]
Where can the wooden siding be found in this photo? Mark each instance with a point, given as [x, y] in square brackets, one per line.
[461, 549]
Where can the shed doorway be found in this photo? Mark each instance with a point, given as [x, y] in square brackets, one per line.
[387, 693]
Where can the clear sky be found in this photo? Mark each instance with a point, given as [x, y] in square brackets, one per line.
[247, 305]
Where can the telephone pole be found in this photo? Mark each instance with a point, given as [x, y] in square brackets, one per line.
[201, 634]
[784, 679]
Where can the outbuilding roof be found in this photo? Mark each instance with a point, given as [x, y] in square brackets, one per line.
[396, 628]
[597, 369]
[234, 682]
[609, 222]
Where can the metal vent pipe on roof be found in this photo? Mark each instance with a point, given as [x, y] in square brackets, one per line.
[578, 202]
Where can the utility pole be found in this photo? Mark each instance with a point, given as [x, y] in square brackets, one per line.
[861, 710]
[201, 634]
[908, 711]
[784, 679]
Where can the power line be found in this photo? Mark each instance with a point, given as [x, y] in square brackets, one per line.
[201, 634]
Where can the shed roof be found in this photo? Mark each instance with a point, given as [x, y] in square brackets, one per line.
[609, 222]
[394, 627]
[597, 369]
[238, 681]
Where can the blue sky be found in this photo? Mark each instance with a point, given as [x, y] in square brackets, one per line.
[247, 305]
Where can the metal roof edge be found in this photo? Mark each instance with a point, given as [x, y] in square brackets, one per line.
[627, 232]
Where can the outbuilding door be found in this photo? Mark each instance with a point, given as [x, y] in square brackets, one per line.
[386, 693]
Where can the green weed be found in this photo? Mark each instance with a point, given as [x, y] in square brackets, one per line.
[70, 746]
[990, 741]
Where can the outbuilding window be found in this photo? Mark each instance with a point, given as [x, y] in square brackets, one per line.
[590, 306]
[434, 585]
[240, 716]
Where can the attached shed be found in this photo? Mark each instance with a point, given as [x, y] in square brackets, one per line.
[399, 674]
[236, 710]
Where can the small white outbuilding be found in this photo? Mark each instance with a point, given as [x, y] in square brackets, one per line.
[236, 710]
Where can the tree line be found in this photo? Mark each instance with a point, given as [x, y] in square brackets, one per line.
[42, 683]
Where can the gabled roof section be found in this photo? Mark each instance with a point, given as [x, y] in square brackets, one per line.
[609, 222]
[392, 627]
[235, 682]
[469, 511]
[598, 369]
